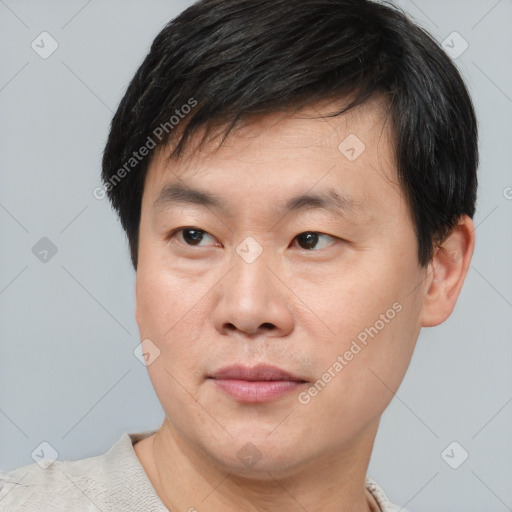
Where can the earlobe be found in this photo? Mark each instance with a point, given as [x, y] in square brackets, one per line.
[447, 272]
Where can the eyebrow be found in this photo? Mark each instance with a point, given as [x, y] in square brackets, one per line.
[329, 199]
[178, 193]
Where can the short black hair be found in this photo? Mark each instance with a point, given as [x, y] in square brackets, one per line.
[223, 61]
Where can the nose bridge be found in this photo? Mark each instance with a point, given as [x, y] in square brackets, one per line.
[250, 281]
[251, 300]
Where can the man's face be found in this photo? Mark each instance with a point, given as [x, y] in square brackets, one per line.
[304, 258]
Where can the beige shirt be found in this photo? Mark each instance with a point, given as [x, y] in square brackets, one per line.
[112, 482]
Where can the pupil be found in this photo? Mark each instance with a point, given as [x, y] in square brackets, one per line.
[192, 236]
[308, 240]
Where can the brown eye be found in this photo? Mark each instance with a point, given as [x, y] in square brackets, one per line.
[192, 236]
[312, 240]
[307, 240]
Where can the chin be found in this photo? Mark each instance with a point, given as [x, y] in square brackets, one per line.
[253, 453]
[263, 464]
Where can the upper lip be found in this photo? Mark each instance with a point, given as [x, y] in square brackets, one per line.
[260, 372]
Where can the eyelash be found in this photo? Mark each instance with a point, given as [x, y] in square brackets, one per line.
[192, 228]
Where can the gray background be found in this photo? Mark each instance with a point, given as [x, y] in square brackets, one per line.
[68, 375]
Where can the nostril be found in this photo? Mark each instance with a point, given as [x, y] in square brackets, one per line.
[267, 326]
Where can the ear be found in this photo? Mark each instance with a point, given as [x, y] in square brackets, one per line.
[446, 273]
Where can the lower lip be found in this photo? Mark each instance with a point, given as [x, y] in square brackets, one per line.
[257, 391]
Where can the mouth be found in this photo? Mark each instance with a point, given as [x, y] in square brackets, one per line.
[256, 384]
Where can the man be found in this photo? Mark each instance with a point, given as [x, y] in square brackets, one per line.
[297, 182]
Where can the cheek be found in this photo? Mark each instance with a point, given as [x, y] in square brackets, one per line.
[171, 317]
[358, 375]
[166, 301]
[171, 313]
[349, 299]
[370, 317]
[155, 305]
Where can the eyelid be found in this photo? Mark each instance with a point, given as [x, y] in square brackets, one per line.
[319, 233]
[176, 231]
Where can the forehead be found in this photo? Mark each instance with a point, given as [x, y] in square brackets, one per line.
[287, 150]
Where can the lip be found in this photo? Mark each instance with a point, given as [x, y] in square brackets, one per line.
[256, 384]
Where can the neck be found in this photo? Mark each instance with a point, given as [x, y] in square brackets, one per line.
[187, 479]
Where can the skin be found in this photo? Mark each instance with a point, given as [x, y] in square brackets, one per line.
[205, 307]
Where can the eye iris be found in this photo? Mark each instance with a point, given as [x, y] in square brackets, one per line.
[308, 240]
[192, 236]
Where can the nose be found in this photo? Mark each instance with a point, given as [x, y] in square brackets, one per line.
[253, 301]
